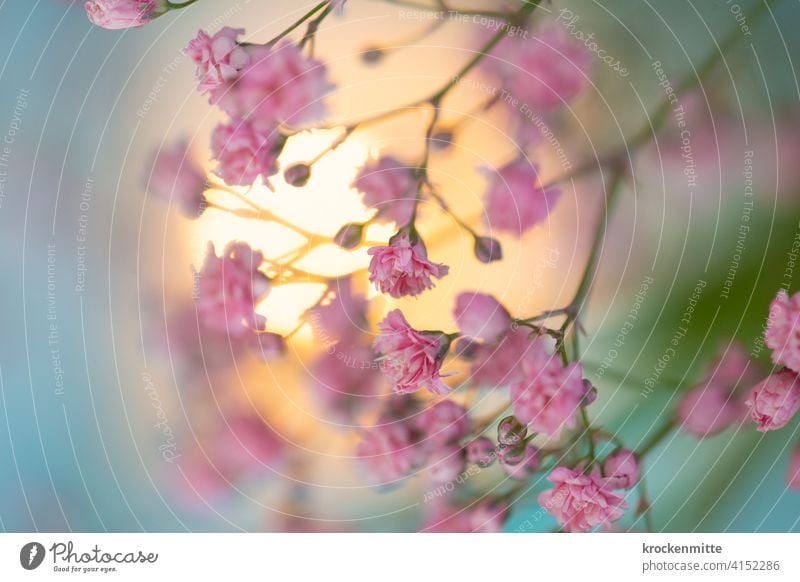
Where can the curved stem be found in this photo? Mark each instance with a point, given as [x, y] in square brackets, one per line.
[298, 23]
[656, 438]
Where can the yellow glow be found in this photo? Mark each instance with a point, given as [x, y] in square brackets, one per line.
[322, 206]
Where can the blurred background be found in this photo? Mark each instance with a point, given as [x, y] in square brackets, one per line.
[101, 425]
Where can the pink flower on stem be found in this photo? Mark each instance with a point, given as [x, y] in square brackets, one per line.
[515, 202]
[245, 153]
[413, 359]
[230, 286]
[581, 502]
[783, 330]
[389, 452]
[389, 187]
[621, 468]
[550, 394]
[219, 58]
[279, 85]
[175, 176]
[793, 472]
[402, 269]
[481, 317]
[544, 71]
[443, 423]
[775, 400]
[116, 14]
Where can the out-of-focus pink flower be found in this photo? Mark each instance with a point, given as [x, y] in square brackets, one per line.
[481, 316]
[346, 380]
[175, 176]
[230, 286]
[413, 359]
[581, 502]
[783, 330]
[116, 14]
[445, 463]
[443, 423]
[245, 153]
[219, 58]
[708, 409]
[389, 452]
[793, 472]
[342, 318]
[481, 451]
[402, 269]
[500, 365]
[484, 517]
[247, 444]
[775, 400]
[621, 469]
[550, 394]
[389, 187]
[515, 202]
[267, 346]
[524, 468]
[338, 4]
[280, 85]
[713, 405]
[545, 70]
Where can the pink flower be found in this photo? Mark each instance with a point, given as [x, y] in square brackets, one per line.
[177, 177]
[230, 286]
[481, 316]
[793, 472]
[219, 58]
[244, 445]
[581, 502]
[402, 268]
[345, 381]
[713, 406]
[446, 463]
[515, 202]
[389, 452]
[267, 346]
[544, 71]
[500, 365]
[484, 517]
[550, 394]
[338, 4]
[621, 469]
[116, 14]
[343, 318]
[279, 85]
[775, 400]
[443, 423]
[413, 359]
[389, 186]
[783, 330]
[708, 409]
[481, 451]
[244, 153]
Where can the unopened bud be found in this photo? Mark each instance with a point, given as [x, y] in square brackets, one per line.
[512, 455]
[373, 55]
[487, 249]
[297, 175]
[510, 431]
[349, 236]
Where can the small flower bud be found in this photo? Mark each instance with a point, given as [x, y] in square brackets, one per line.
[511, 431]
[297, 175]
[487, 249]
[481, 452]
[529, 463]
[349, 236]
[590, 394]
[441, 140]
[512, 455]
[373, 55]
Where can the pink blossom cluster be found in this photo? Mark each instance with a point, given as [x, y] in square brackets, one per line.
[116, 14]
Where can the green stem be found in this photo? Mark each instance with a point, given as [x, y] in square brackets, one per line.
[297, 24]
[656, 438]
[179, 5]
